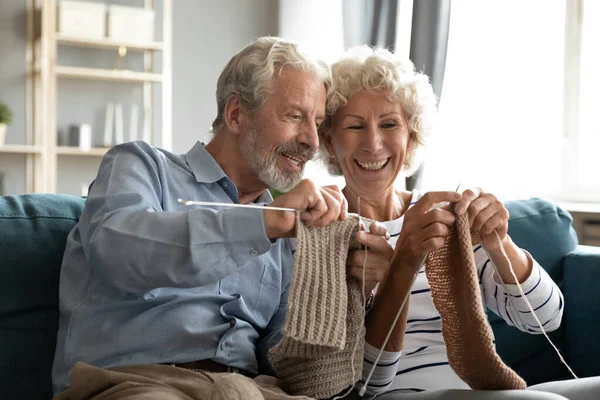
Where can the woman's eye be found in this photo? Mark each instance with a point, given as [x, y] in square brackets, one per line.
[388, 125]
[355, 127]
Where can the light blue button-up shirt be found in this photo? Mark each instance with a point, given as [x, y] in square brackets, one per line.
[145, 279]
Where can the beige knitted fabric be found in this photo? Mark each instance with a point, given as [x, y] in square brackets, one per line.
[452, 275]
[324, 327]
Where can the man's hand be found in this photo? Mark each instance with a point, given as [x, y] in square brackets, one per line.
[486, 214]
[379, 254]
[320, 205]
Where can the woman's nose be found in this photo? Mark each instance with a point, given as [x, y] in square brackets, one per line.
[373, 142]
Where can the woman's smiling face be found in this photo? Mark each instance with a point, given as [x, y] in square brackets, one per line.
[369, 137]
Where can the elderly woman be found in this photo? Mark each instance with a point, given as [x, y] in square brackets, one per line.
[379, 114]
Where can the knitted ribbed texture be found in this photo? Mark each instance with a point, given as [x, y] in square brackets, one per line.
[452, 275]
[324, 318]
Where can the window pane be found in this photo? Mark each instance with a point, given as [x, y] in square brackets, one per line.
[589, 121]
[500, 122]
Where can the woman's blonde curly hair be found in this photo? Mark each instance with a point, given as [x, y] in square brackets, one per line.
[364, 68]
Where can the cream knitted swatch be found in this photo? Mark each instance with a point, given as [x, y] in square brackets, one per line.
[452, 275]
[324, 327]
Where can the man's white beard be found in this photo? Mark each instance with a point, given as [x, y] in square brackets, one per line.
[265, 167]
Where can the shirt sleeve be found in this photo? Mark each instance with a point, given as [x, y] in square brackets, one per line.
[384, 372]
[506, 301]
[136, 246]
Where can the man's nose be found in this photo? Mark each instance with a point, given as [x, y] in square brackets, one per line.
[310, 135]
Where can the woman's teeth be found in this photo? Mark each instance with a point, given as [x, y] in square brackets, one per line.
[372, 166]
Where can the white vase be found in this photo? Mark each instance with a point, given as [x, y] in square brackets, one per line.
[3, 128]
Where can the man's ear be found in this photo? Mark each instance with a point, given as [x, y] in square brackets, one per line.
[234, 114]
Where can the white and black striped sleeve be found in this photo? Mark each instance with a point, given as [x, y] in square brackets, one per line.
[385, 370]
[506, 300]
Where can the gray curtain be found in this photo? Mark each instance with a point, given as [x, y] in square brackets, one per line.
[428, 47]
[373, 22]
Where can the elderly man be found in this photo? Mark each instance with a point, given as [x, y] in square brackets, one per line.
[155, 294]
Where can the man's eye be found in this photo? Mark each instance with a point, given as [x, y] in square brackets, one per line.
[296, 117]
[354, 127]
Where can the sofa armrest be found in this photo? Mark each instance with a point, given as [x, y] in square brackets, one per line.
[582, 309]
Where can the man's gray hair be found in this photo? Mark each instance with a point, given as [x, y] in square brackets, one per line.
[249, 74]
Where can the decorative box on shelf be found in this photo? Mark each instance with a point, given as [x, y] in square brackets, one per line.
[130, 24]
[82, 19]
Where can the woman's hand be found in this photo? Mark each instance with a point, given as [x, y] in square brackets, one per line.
[378, 256]
[486, 215]
[424, 230]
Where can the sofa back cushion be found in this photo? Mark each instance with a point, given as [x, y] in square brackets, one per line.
[33, 232]
[544, 230]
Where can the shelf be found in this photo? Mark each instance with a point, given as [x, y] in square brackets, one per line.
[20, 149]
[76, 151]
[106, 43]
[106, 74]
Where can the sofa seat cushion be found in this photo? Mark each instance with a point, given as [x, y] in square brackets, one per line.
[33, 232]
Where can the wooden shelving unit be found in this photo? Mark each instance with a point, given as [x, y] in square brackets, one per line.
[45, 74]
[76, 151]
[20, 149]
[107, 74]
[106, 43]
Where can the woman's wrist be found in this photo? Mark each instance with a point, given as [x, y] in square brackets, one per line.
[520, 263]
[401, 274]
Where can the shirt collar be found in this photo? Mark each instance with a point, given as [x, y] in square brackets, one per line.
[206, 169]
[203, 165]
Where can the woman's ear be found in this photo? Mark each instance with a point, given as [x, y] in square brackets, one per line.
[327, 141]
[234, 114]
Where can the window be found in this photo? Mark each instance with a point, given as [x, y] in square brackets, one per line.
[519, 110]
[501, 111]
[583, 177]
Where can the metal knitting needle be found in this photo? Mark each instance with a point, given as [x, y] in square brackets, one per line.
[214, 204]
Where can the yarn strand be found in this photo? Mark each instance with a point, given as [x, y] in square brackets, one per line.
[522, 293]
[364, 275]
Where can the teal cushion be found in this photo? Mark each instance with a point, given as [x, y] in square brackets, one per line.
[33, 231]
[582, 310]
[544, 230]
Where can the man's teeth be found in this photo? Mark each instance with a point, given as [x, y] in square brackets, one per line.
[294, 161]
[372, 166]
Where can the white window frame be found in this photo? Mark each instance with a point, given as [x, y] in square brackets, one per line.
[571, 190]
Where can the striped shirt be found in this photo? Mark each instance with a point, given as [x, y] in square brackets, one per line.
[423, 363]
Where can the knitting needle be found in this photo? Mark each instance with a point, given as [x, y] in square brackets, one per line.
[215, 204]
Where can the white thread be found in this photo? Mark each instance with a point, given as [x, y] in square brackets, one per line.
[215, 204]
[363, 389]
[522, 293]
[364, 274]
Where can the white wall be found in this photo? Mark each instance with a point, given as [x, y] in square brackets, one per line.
[206, 34]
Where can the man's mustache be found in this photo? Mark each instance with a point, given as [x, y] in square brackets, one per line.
[297, 149]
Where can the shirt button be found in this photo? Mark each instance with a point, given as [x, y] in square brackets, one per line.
[253, 252]
[225, 184]
[222, 345]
